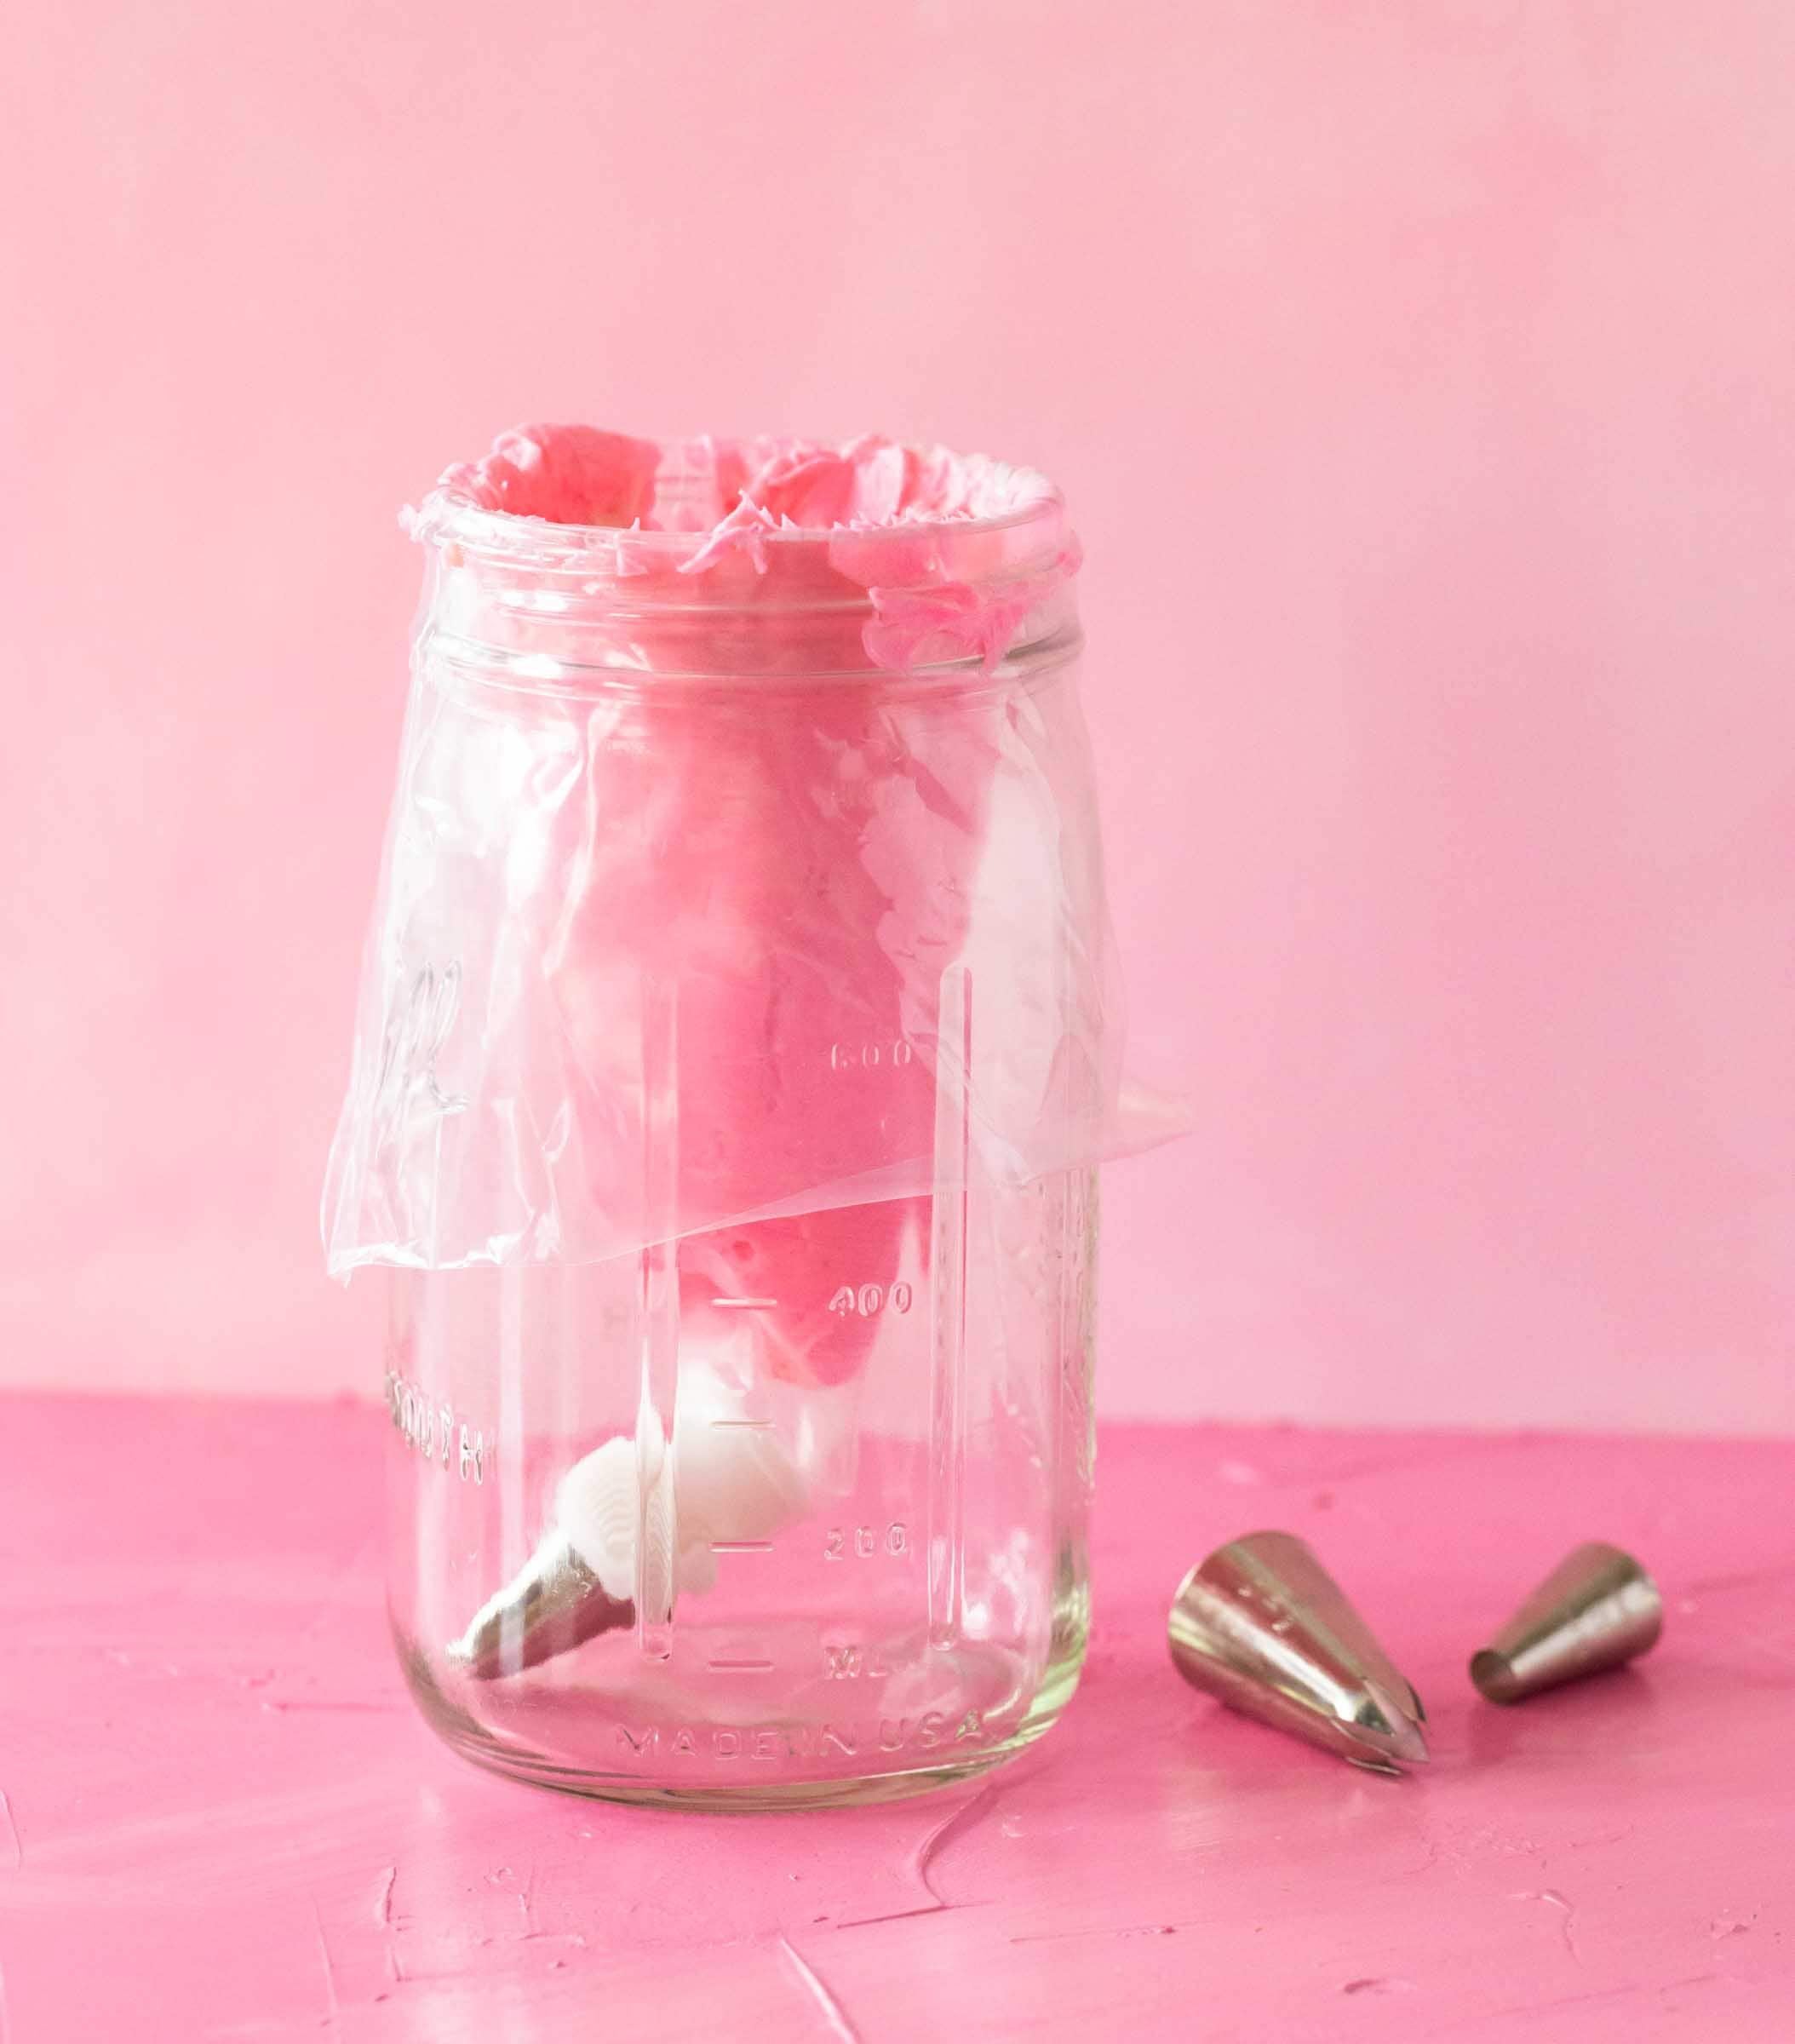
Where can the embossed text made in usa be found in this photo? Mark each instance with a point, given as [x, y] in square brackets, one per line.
[430, 1426]
[750, 1743]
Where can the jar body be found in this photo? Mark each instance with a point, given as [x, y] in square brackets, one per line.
[736, 1048]
[913, 1610]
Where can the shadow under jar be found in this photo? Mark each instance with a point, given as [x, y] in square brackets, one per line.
[733, 1059]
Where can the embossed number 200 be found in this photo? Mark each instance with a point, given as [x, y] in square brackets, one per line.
[867, 1541]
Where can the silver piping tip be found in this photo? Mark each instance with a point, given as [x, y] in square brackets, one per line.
[553, 1602]
[1598, 1608]
[1393, 1727]
[1262, 1625]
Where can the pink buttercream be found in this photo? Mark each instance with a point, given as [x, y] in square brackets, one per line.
[579, 476]
[575, 475]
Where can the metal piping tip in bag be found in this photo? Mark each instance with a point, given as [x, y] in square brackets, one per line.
[622, 1529]
[553, 1602]
[1263, 1626]
[579, 1581]
[1598, 1608]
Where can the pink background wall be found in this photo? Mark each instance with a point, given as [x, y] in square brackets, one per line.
[1422, 373]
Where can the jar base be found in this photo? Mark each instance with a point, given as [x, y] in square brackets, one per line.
[517, 1761]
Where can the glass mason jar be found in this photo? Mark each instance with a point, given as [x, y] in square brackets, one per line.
[736, 1048]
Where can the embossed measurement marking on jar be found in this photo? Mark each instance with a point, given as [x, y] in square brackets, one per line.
[742, 1426]
[892, 1054]
[722, 1666]
[868, 1542]
[850, 1662]
[434, 1430]
[741, 1547]
[743, 1305]
[864, 1300]
[417, 1033]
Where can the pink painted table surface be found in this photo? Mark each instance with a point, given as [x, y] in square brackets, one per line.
[222, 1818]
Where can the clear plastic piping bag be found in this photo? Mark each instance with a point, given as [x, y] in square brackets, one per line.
[740, 879]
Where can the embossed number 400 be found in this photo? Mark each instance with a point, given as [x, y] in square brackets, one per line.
[870, 1299]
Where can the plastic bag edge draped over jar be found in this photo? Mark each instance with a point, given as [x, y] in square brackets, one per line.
[659, 951]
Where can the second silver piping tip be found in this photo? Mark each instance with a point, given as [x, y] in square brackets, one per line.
[1261, 1625]
[1597, 1608]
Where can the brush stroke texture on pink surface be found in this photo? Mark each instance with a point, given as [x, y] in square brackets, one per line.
[220, 1816]
[1423, 379]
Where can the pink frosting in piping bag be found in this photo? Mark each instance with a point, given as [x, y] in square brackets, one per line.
[734, 846]
[579, 476]
[795, 866]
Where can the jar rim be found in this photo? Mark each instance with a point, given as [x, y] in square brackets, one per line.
[444, 519]
[974, 557]
[688, 503]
